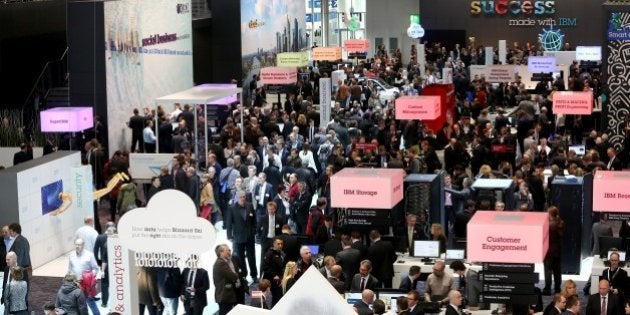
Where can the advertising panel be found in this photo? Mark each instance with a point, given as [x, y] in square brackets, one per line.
[610, 191]
[326, 53]
[573, 103]
[278, 75]
[66, 119]
[418, 107]
[366, 188]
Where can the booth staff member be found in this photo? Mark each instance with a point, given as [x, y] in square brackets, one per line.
[617, 277]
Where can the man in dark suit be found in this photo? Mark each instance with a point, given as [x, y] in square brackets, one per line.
[410, 282]
[136, 123]
[603, 302]
[614, 162]
[22, 155]
[273, 268]
[382, 255]
[261, 195]
[411, 232]
[20, 246]
[454, 302]
[573, 306]
[335, 279]
[616, 276]
[194, 292]
[244, 227]
[364, 279]
[357, 242]
[226, 276]
[269, 226]
[349, 259]
[291, 244]
[556, 306]
[100, 254]
[362, 307]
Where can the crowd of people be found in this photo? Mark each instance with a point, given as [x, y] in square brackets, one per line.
[266, 177]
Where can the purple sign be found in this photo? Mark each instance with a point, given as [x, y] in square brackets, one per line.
[66, 119]
[540, 64]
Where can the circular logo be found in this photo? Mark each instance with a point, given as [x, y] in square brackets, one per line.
[415, 31]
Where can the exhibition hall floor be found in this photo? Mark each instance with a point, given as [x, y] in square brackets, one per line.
[58, 268]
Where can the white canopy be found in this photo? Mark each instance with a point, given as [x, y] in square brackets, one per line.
[201, 94]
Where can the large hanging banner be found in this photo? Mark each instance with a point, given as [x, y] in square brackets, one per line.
[366, 188]
[148, 53]
[356, 45]
[268, 28]
[610, 191]
[418, 107]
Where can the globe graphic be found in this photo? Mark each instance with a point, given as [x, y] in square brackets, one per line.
[551, 40]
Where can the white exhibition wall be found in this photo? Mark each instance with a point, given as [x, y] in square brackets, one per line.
[148, 53]
[32, 195]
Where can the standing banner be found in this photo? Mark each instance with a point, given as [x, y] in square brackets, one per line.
[502, 51]
[422, 62]
[573, 103]
[325, 97]
[326, 53]
[278, 75]
[292, 59]
[356, 45]
[489, 56]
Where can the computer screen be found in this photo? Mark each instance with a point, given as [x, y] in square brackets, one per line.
[353, 297]
[579, 149]
[426, 249]
[456, 254]
[389, 297]
[622, 254]
[314, 249]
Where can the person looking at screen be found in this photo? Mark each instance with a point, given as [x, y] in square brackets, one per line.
[438, 284]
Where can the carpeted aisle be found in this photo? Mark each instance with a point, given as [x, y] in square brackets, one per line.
[43, 290]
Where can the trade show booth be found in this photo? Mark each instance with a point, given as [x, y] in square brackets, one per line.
[206, 95]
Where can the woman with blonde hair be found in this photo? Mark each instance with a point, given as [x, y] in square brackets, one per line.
[437, 234]
[288, 280]
[569, 288]
[206, 202]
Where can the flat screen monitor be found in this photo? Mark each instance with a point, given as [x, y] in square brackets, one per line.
[314, 249]
[579, 149]
[608, 243]
[353, 297]
[426, 249]
[455, 254]
[622, 254]
[389, 297]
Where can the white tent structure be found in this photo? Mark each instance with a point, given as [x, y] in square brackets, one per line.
[206, 94]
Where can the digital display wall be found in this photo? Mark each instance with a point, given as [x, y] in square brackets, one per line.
[148, 54]
[269, 27]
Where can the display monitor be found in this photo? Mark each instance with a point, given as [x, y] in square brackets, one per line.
[455, 254]
[389, 297]
[353, 297]
[314, 249]
[622, 254]
[426, 249]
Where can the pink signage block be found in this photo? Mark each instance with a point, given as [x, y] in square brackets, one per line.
[508, 236]
[418, 107]
[610, 191]
[573, 103]
[66, 119]
[366, 188]
[278, 75]
[356, 45]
